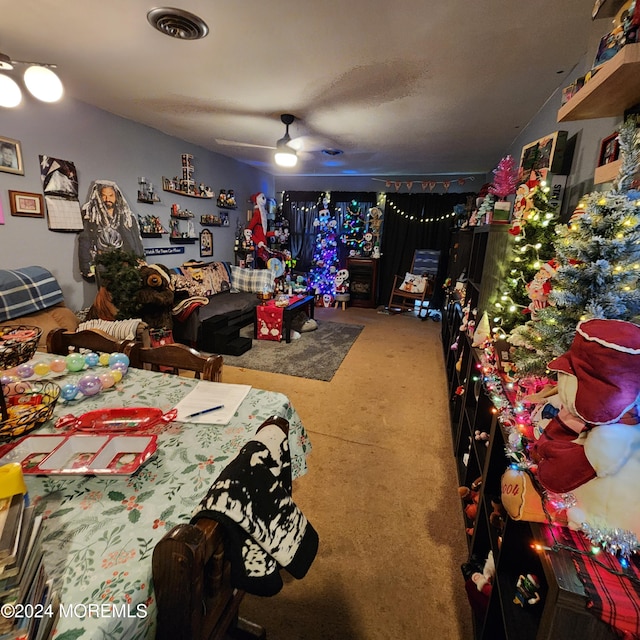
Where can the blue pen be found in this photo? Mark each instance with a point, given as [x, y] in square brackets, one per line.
[200, 413]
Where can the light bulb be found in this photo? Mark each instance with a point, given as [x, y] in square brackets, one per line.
[10, 94]
[43, 84]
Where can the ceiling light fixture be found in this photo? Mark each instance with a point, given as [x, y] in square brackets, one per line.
[285, 156]
[38, 78]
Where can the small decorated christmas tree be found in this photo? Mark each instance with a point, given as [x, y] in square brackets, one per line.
[506, 177]
[353, 227]
[325, 255]
[528, 267]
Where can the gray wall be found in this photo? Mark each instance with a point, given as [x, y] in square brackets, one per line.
[588, 134]
[105, 146]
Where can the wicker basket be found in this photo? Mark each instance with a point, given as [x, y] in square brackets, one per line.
[36, 401]
[18, 343]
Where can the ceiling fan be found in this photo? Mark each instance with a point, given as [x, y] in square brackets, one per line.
[285, 155]
[285, 146]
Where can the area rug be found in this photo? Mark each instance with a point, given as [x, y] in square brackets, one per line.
[316, 354]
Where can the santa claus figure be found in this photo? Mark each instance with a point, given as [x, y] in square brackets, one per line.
[540, 288]
[591, 447]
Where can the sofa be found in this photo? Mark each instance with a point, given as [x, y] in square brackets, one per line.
[213, 301]
[32, 296]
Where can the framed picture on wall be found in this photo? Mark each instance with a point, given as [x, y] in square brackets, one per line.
[30, 205]
[609, 149]
[206, 243]
[10, 156]
[545, 154]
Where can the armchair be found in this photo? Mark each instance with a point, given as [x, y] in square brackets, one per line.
[417, 286]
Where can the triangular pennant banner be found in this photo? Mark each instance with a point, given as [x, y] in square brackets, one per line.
[409, 185]
[432, 185]
[446, 184]
[398, 185]
[424, 185]
[387, 184]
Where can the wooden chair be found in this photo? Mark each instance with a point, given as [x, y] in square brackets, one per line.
[61, 341]
[405, 296]
[192, 586]
[175, 358]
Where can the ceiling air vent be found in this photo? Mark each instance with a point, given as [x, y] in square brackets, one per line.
[177, 23]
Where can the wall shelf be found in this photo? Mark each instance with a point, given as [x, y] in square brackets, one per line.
[166, 187]
[182, 240]
[607, 172]
[612, 90]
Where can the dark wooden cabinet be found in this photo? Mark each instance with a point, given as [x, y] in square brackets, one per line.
[363, 281]
[562, 611]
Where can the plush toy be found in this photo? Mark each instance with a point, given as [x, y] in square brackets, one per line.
[479, 577]
[591, 447]
[156, 296]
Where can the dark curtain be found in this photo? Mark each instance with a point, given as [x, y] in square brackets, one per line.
[300, 208]
[403, 235]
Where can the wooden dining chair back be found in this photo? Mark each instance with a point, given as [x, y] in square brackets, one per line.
[175, 358]
[61, 341]
[193, 591]
[416, 287]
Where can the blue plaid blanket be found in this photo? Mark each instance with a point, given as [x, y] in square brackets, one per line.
[27, 290]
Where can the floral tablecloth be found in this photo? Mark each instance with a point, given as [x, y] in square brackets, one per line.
[99, 532]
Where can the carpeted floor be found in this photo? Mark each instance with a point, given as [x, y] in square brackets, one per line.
[316, 354]
[381, 491]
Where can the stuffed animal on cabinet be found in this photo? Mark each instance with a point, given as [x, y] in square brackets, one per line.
[591, 445]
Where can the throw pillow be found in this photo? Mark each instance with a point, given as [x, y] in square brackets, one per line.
[251, 280]
[413, 283]
[213, 276]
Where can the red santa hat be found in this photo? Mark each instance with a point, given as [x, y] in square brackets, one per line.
[605, 359]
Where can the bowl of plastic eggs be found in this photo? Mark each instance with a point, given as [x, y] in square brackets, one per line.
[29, 404]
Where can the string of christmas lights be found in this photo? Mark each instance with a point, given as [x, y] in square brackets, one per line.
[402, 213]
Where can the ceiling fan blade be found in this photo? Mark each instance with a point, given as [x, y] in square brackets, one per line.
[236, 143]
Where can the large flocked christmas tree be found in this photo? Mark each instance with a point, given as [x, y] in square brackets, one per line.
[598, 266]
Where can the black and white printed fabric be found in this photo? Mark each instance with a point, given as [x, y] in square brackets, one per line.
[264, 529]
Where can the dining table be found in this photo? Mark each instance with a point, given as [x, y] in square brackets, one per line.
[99, 531]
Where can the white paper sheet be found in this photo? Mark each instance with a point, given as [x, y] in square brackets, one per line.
[211, 394]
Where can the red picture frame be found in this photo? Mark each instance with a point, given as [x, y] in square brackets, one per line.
[609, 149]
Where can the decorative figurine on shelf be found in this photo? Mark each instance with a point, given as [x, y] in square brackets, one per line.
[222, 198]
[527, 590]
[231, 200]
[247, 240]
